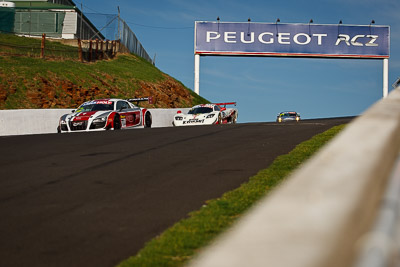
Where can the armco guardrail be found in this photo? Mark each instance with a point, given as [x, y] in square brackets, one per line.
[42, 121]
[324, 212]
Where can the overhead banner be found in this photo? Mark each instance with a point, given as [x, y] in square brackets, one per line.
[293, 40]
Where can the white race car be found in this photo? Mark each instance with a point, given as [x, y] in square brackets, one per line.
[207, 114]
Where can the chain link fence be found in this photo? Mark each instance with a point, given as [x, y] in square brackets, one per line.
[130, 41]
[114, 27]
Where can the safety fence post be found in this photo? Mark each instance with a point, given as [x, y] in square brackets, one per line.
[90, 50]
[96, 53]
[42, 47]
[80, 50]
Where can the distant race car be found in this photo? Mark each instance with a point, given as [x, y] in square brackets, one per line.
[288, 116]
[206, 114]
[106, 114]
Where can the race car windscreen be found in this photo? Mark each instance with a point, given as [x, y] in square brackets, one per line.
[289, 115]
[200, 110]
[95, 107]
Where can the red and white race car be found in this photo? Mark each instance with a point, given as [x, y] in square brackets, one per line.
[206, 114]
[106, 114]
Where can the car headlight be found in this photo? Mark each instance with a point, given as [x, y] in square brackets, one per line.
[100, 119]
[210, 116]
[178, 118]
[99, 122]
[280, 119]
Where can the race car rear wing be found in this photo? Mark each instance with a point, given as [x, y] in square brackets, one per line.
[141, 99]
[224, 104]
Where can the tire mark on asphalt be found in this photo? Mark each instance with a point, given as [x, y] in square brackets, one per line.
[110, 162]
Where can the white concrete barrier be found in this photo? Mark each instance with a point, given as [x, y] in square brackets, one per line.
[164, 117]
[322, 214]
[43, 121]
[30, 121]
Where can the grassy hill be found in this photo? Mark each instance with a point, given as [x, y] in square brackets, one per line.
[61, 81]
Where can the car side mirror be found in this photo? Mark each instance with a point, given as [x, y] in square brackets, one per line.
[73, 111]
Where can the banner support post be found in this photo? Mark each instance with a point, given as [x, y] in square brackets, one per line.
[197, 74]
[385, 77]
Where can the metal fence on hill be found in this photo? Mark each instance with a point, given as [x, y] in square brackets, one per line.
[113, 27]
[129, 39]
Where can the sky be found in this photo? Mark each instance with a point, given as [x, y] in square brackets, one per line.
[262, 86]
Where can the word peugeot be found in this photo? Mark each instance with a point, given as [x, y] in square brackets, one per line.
[304, 40]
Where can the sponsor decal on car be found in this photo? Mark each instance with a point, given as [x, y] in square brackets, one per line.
[77, 123]
[123, 120]
[106, 102]
[206, 105]
[130, 118]
[193, 121]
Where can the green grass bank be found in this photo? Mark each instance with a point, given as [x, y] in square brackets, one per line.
[178, 244]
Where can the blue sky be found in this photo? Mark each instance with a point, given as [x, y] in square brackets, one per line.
[264, 86]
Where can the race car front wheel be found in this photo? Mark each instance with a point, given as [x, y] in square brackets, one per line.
[234, 118]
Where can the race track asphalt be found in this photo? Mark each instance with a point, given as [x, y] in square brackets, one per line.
[94, 199]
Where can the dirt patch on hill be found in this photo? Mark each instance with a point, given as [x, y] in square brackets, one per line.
[166, 94]
[51, 92]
